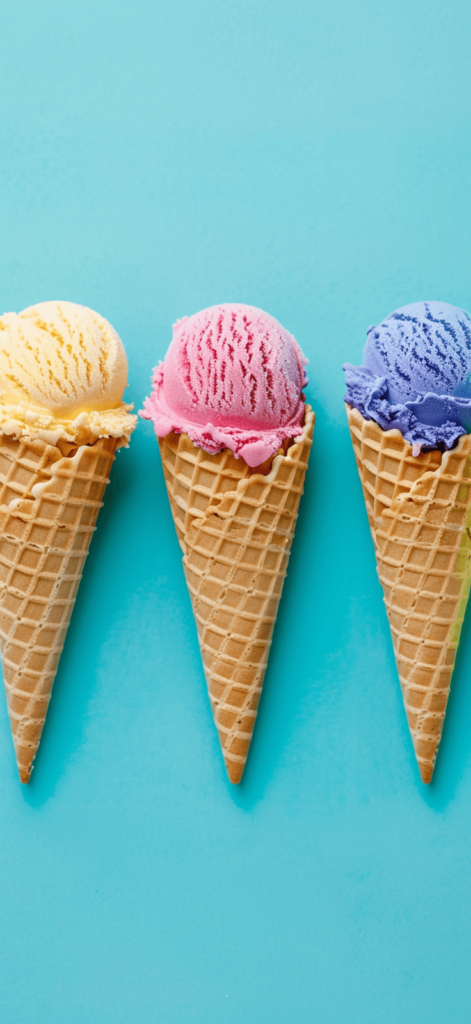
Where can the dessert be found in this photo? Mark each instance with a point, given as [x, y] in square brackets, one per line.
[234, 435]
[409, 410]
[63, 370]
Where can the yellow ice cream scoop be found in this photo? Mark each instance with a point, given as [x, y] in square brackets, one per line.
[61, 356]
[63, 370]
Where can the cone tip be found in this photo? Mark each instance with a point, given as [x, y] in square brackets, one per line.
[25, 775]
[426, 772]
[235, 770]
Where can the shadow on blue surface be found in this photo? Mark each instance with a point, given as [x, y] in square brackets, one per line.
[283, 691]
[454, 750]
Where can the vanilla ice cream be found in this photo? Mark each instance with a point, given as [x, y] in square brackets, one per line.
[63, 370]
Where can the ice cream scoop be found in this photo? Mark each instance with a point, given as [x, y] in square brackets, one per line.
[416, 374]
[63, 370]
[233, 378]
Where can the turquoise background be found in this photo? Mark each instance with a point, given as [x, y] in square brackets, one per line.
[312, 159]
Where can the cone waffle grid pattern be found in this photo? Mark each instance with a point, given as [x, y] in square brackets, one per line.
[419, 510]
[235, 528]
[45, 535]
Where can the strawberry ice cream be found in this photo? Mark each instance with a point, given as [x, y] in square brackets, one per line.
[232, 378]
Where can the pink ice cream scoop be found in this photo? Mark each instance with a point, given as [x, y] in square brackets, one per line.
[232, 378]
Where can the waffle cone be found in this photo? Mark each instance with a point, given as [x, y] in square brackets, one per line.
[235, 527]
[49, 502]
[419, 511]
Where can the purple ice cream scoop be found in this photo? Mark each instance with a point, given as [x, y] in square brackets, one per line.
[416, 374]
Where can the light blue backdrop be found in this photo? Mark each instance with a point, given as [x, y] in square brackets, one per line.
[313, 159]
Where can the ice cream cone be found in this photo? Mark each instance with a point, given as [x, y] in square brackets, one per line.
[235, 527]
[49, 500]
[419, 511]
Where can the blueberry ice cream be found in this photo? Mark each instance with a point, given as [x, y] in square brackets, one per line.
[416, 375]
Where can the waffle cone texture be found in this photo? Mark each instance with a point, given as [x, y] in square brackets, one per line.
[235, 527]
[419, 511]
[49, 501]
